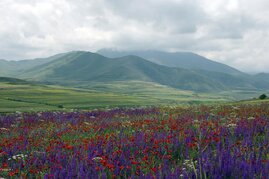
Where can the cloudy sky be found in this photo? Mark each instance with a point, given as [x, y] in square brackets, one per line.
[235, 32]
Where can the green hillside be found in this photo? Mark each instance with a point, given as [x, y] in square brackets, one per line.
[80, 68]
[85, 67]
[178, 59]
[262, 80]
[233, 81]
[12, 80]
[15, 68]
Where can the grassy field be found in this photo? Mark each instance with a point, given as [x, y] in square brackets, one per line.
[33, 97]
[154, 91]
[149, 89]
[27, 97]
[239, 95]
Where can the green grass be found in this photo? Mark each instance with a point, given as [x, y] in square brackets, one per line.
[154, 91]
[238, 95]
[12, 106]
[25, 97]
[33, 97]
[253, 101]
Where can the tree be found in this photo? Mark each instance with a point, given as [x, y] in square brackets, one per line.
[263, 96]
[60, 106]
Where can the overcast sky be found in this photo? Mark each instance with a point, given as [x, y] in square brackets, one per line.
[235, 32]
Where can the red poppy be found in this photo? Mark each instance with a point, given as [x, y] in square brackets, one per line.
[134, 162]
[110, 166]
[5, 165]
[11, 174]
[154, 169]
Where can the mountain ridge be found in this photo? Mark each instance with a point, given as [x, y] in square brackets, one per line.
[89, 67]
[82, 67]
[86, 66]
[186, 60]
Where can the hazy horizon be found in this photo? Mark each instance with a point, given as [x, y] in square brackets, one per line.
[233, 32]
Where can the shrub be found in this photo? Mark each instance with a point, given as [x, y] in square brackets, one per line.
[60, 106]
[263, 96]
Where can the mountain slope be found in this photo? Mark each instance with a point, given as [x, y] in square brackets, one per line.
[80, 68]
[90, 67]
[231, 81]
[178, 59]
[13, 68]
[5, 67]
[12, 80]
[261, 80]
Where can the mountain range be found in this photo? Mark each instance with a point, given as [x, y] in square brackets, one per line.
[186, 60]
[180, 70]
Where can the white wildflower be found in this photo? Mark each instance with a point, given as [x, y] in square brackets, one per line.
[231, 125]
[251, 118]
[189, 164]
[126, 124]
[87, 123]
[19, 157]
[97, 159]
[4, 129]
[235, 107]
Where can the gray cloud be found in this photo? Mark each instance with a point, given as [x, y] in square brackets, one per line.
[231, 31]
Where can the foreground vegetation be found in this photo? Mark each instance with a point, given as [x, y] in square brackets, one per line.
[194, 142]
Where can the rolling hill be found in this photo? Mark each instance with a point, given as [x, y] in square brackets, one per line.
[86, 67]
[80, 68]
[14, 68]
[261, 80]
[12, 80]
[178, 59]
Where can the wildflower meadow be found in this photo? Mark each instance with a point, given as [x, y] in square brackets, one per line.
[183, 142]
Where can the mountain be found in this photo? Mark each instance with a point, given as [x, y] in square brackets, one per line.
[178, 59]
[13, 68]
[12, 80]
[239, 81]
[76, 68]
[80, 68]
[264, 76]
[86, 67]
[261, 80]
[4, 67]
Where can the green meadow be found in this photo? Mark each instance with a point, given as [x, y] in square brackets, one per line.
[27, 97]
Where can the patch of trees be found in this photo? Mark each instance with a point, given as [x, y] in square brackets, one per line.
[263, 96]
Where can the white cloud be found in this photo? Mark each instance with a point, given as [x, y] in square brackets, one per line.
[231, 31]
